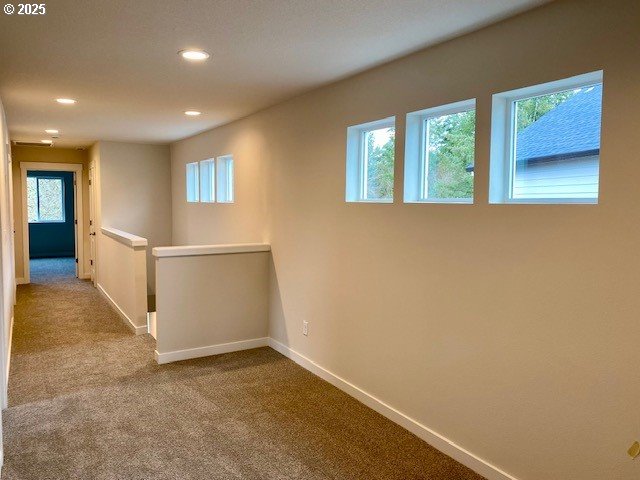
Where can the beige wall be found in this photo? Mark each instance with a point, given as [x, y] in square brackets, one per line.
[509, 329]
[210, 300]
[135, 191]
[245, 218]
[48, 155]
[123, 279]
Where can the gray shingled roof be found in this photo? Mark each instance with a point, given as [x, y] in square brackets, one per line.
[572, 128]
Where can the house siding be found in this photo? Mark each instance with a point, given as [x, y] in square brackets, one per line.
[570, 178]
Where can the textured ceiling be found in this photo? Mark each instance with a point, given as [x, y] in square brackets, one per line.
[118, 58]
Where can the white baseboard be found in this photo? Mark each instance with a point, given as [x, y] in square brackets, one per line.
[21, 281]
[138, 330]
[178, 355]
[446, 446]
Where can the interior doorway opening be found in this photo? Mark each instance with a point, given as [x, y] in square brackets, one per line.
[52, 213]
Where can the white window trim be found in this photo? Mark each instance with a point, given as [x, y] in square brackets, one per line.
[501, 170]
[356, 175]
[415, 164]
[225, 182]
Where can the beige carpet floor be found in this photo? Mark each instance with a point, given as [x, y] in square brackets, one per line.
[87, 401]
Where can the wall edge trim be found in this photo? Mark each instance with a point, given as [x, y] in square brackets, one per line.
[138, 330]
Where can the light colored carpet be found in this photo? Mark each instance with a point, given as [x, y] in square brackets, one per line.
[87, 401]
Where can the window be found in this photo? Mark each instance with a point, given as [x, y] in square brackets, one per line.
[45, 200]
[207, 181]
[439, 154]
[370, 161]
[210, 180]
[545, 145]
[225, 179]
[192, 182]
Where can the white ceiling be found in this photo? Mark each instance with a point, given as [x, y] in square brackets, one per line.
[118, 58]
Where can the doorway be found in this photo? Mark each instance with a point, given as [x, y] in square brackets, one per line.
[52, 213]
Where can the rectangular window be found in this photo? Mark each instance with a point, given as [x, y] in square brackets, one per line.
[45, 200]
[545, 145]
[439, 154]
[225, 179]
[192, 182]
[370, 161]
[208, 181]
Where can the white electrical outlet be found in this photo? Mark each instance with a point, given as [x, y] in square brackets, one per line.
[305, 327]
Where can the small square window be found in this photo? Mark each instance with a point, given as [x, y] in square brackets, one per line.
[193, 187]
[545, 145]
[45, 200]
[225, 179]
[439, 154]
[370, 161]
[207, 181]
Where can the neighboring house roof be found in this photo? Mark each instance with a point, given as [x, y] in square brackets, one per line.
[571, 129]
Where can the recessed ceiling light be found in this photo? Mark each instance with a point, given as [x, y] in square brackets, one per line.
[66, 101]
[52, 131]
[192, 113]
[47, 142]
[194, 55]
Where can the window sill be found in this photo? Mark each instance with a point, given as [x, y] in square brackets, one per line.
[547, 201]
[444, 201]
[387, 201]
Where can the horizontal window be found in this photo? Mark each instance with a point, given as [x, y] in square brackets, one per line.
[545, 145]
[370, 161]
[439, 154]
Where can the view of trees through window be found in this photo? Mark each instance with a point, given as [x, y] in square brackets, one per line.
[450, 151]
[529, 110]
[380, 147]
[45, 199]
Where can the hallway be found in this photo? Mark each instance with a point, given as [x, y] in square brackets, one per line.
[87, 401]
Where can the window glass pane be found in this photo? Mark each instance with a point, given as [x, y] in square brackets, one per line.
[378, 160]
[32, 199]
[556, 145]
[50, 196]
[449, 155]
[207, 181]
[230, 180]
[192, 182]
[225, 179]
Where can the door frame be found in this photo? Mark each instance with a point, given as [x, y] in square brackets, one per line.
[93, 238]
[77, 169]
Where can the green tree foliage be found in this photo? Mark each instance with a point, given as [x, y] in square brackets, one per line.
[380, 166]
[451, 144]
[530, 110]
